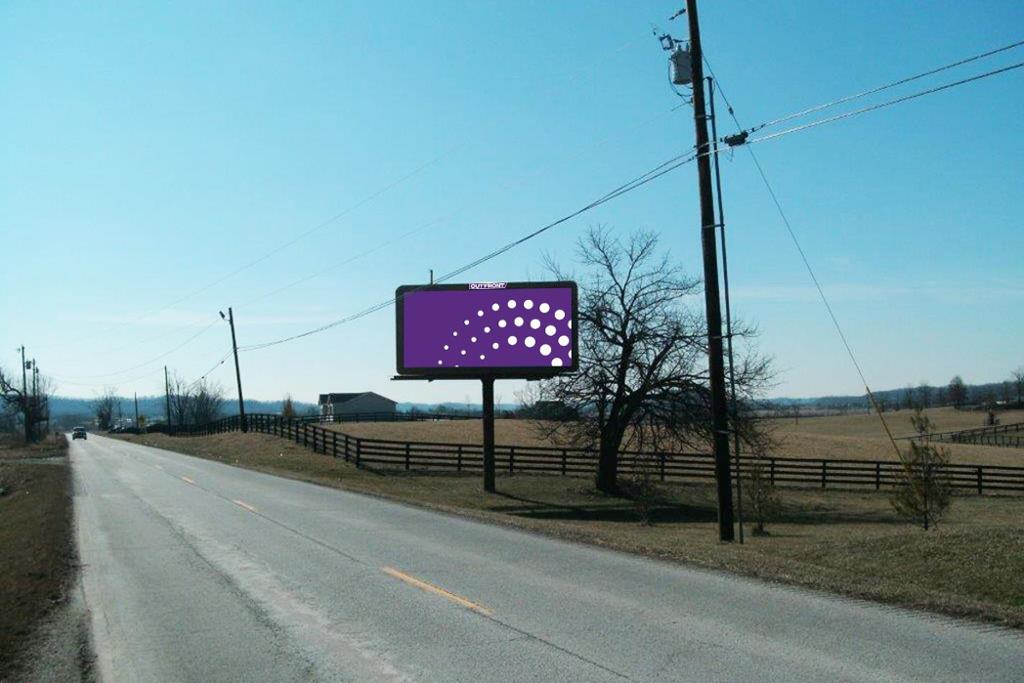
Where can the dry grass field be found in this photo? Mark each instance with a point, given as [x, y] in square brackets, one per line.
[844, 542]
[36, 547]
[844, 437]
[861, 436]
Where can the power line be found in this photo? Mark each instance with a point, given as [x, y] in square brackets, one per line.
[889, 103]
[810, 270]
[207, 373]
[639, 181]
[155, 358]
[367, 252]
[516, 181]
[872, 91]
[577, 76]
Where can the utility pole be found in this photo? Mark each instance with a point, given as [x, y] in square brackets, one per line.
[238, 372]
[716, 363]
[136, 410]
[24, 398]
[733, 405]
[167, 397]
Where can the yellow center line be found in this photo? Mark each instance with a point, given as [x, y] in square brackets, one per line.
[188, 481]
[241, 504]
[436, 590]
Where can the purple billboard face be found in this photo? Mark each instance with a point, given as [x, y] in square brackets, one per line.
[485, 328]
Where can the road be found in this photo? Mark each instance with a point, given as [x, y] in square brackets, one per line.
[198, 571]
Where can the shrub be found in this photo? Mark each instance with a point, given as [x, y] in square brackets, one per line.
[924, 495]
[763, 498]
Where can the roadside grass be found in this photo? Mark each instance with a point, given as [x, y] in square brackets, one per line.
[844, 542]
[36, 544]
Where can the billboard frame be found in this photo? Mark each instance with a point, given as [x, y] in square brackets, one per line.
[486, 375]
[514, 372]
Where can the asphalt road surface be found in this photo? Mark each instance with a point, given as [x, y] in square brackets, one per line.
[197, 571]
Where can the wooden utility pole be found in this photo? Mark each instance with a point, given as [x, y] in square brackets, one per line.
[136, 410]
[238, 373]
[24, 399]
[167, 397]
[716, 363]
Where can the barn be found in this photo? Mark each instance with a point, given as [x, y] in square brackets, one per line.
[352, 404]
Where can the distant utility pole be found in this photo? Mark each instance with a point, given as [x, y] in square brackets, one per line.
[24, 380]
[167, 396]
[24, 398]
[238, 372]
[136, 410]
[716, 362]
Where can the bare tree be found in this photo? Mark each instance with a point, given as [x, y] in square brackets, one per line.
[908, 397]
[1018, 380]
[957, 392]
[180, 394]
[207, 402]
[104, 406]
[31, 401]
[287, 406]
[643, 376]
[924, 395]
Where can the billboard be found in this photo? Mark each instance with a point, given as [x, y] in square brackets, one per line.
[499, 329]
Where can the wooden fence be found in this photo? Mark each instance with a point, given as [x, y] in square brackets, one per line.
[420, 456]
[1008, 435]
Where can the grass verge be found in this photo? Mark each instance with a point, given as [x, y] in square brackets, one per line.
[850, 543]
[36, 544]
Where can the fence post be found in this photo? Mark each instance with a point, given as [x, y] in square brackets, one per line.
[980, 489]
[346, 448]
[334, 444]
[305, 433]
[406, 456]
[824, 466]
[771, 470]
[511, 459]
[661, 459]
[458, 463]
[564, 455]
[878, 476]
[359, 451]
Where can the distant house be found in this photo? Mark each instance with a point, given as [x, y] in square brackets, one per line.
[366, 402]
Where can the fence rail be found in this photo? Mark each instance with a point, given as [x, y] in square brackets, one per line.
[1008, 435]
[454, 457]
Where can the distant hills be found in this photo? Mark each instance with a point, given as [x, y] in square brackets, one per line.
[153, 407]
[893, 398]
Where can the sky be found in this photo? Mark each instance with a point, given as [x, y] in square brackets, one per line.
[160, 162]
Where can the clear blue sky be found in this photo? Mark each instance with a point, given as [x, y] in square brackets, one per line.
[148, 150]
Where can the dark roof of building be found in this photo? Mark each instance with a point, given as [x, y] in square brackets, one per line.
[336, 398]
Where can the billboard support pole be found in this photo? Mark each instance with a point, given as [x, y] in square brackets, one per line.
[488, 420]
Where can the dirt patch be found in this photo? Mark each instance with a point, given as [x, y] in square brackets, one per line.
[36, 544]
[844, 542]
